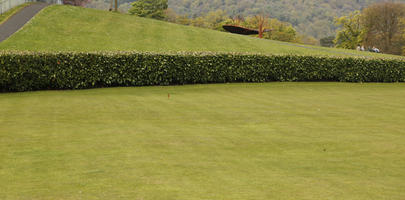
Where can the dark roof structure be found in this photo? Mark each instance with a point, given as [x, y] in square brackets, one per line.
[240, 30]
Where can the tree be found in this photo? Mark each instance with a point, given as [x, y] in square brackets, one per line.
[380, 25]
[403, 36]
[351, 32]
[383, 26]
[149, 8]
[262, 22]
[281, 31]
[215, 20]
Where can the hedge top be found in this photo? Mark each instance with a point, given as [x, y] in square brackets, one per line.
[186, 53]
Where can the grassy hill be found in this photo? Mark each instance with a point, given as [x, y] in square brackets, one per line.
[66, 28]
[223, 141]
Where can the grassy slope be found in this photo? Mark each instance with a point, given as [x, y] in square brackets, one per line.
[228, 141]
[11, 12]
[65, 28]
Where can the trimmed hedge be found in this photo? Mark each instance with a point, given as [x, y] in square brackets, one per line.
[24, 71]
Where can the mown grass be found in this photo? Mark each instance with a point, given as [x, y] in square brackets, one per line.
[66, 28]
[4, 17]
[225, 141]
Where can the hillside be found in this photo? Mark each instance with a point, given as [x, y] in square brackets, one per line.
[310, 17]
[67, 28]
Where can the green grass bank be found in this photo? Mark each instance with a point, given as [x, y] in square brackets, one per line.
[66, 28]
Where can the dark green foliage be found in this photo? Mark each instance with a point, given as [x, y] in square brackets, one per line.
[149, 8]
[327, 41]
[37, 71]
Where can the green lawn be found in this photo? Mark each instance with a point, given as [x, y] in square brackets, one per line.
[66, 28]
[226, 141]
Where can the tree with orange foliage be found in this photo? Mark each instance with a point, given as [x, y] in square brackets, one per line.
[262, 22]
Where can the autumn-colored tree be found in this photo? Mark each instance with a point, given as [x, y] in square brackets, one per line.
[383, 26]
[262, 22]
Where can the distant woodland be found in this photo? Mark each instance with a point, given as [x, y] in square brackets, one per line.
[309, 17]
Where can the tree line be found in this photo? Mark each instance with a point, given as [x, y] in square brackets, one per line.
[309, 17]
[381, 25]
